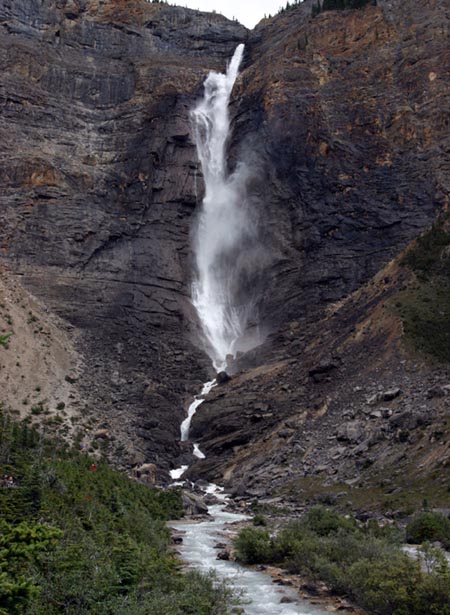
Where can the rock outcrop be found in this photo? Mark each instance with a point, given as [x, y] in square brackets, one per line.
[342, 120]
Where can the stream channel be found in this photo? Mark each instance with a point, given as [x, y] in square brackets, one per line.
[259, 595]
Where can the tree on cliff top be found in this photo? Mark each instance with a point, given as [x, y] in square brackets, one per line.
[339, 5]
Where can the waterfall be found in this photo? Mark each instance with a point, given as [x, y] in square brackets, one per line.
[228, 256]
[224, 226]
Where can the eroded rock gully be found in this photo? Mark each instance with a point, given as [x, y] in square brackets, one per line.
[343, 119]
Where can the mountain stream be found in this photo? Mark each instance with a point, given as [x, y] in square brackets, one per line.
[256, 590]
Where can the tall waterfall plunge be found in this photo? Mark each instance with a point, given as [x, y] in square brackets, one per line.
[225, 236]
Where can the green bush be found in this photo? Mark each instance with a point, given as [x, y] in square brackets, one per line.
[429, 526]
[21, 546]
[259, 520]
[324, 521]
[253, 546]
[4, 339]
[384, 586]
[365, 564]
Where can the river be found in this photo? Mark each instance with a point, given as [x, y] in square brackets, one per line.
[260, 596]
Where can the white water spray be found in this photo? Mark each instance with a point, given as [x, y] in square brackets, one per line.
[185, 425]
[223, 224]
[224, 241]
[199, 399]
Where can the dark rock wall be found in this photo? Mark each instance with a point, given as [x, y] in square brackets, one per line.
[98, 185]
[343, 117]
[349, 113]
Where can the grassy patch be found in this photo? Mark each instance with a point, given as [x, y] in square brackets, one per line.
[383, 492]
[425, 306]
[4, 339]
[425, 312]
[429, 256]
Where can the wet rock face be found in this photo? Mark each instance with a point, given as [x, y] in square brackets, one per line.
[339, 116]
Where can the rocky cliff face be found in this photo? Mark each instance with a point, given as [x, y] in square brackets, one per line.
[98, 189]
[351, 130]
[342, 118]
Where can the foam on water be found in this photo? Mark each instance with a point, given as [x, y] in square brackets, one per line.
[260, 595]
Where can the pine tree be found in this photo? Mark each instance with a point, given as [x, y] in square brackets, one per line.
[316, 9]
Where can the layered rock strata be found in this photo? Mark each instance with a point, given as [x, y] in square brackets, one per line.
[342, 119]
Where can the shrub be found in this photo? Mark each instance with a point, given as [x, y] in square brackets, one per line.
[384, 586]
[109, 554]
[363, 563]
[253, 546]
[324, 521]
[4, 339]
[429, 526]
[259, 520]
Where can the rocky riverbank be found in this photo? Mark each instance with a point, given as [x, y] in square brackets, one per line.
[238, 516]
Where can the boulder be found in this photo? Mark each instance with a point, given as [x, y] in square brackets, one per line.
[391, 394]
[403, 420]
[222, 378]
[375, 437]
[353, 432]
[388, 395]
[193, 504]
[146, 473]
[102, 434]
[438, 391]
[320, 371]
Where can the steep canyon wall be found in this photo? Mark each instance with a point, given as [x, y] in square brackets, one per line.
[344, 121]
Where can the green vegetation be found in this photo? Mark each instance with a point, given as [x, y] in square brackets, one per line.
[425, 306]
[365, 564]
[20, 545]
[289, 6]
[254, 546]
[259, 520]
[430, 256]
[4, 339]
[429, 526]
[398, 490]
[80, 538]
[31, 318]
